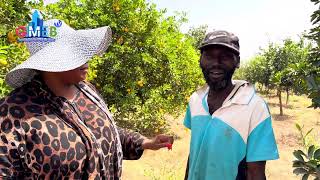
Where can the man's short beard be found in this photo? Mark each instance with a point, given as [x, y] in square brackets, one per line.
[219, 85]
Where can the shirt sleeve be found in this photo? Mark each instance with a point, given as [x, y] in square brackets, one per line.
[261, 144]
[131, 144]
[11, 149]
[187, 118]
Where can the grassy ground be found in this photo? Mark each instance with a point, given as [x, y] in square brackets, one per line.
[170, 165]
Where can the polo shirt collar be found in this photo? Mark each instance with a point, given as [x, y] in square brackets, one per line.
[241, 94]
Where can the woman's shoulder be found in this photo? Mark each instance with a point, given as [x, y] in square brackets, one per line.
[21, 104]
[89, 87]
[87, 84]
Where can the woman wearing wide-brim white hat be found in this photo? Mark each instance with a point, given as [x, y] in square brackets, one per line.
[55, 125]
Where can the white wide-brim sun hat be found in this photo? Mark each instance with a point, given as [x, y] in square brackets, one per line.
[70, 50]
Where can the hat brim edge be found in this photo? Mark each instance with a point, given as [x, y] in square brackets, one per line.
[105, 43]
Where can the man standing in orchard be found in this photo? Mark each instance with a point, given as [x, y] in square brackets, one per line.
[231, 131]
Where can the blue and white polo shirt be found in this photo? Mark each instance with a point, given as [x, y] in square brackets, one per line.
[239, 130]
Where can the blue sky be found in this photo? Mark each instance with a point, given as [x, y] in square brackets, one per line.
[256, 22]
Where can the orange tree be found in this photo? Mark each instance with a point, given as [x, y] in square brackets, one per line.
[314, 71]
[150, 69]
[307, 163]
[12, 14]
[283, 68]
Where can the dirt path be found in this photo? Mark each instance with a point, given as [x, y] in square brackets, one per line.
[170, 165]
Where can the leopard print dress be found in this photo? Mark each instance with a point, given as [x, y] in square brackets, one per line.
[43, 136]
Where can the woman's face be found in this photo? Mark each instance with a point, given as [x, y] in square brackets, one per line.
[76, 75]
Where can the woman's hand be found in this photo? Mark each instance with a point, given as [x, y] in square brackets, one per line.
[158, 142]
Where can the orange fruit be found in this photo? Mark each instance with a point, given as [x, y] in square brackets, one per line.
[11, 38]
[3, 62]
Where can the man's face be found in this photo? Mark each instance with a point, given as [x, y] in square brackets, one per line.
[218, 64]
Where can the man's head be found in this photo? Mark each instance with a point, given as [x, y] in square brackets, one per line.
[220, 56]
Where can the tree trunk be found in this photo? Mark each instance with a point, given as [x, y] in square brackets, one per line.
[260, 88]
[280, 102]
[267, 89]
[288, 94]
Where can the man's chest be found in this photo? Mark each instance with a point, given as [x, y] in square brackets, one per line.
[214, 105]
[226, 122]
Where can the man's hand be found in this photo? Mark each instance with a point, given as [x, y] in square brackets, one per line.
[158, 142]
[256, 170]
